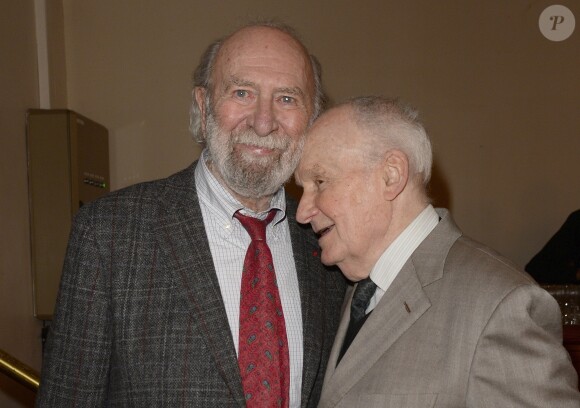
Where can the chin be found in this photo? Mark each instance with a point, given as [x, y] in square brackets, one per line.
[327, 260]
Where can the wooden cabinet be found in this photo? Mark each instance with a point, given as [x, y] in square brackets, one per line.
[68, 166]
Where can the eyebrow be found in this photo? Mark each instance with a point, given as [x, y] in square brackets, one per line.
[290, 91]
[235, 81]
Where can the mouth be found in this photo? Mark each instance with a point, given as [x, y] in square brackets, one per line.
[260, 146]
[257, 150]
[324, 231]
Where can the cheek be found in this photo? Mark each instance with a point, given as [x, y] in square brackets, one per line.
[363, 214]
[332, 207]
[230, 115]
[293, 122]
[355, 233]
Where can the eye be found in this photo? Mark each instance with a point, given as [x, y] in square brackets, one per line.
[288, 100]
[241, 93]
[319, 182]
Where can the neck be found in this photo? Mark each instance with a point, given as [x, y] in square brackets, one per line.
[254, 204]
[406, 208]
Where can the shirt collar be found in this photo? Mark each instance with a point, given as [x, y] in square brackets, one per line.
[223, 204]
[396, 255]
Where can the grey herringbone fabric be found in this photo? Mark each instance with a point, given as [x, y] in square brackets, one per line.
[140, 321]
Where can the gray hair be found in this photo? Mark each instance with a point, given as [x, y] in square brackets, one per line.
[394, 125]
[203, 72]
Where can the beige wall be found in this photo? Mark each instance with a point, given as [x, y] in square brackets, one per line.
[501, 103]
[499, 99]
[19, 330]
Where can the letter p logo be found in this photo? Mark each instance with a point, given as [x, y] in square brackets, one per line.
[556, 20]
[557, 23]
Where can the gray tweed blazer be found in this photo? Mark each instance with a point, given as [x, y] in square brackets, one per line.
[140, 320]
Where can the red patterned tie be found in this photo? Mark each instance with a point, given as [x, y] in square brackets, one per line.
[263, 354]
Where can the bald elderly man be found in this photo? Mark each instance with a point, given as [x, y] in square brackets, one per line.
[435, 319]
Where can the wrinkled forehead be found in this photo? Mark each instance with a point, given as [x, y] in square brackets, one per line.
[253, 43]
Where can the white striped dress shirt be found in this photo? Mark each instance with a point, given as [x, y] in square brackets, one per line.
[228, 242]
[392, 260]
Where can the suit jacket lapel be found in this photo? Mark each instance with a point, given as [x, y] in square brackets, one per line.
[389, 320]
[184, 240]
[310, 283]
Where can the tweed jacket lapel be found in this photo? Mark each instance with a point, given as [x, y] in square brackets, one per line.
[401, 306]
[186, 245]
[310, 283]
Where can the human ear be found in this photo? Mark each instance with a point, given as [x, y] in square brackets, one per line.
[199, 95]
[395, 173]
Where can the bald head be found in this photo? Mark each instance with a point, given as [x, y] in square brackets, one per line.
[389, 123]
[362, 170]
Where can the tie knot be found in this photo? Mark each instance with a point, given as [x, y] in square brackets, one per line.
[361, 298]
[256, 228]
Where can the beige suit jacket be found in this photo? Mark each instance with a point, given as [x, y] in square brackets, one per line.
[478, 333]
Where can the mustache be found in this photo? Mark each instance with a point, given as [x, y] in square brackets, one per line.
[250, 138]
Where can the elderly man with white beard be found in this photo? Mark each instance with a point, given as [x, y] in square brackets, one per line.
[201, 289]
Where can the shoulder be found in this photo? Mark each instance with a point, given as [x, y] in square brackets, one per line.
[457, 270]
[494, 295]
[143, 198]
[477, 273]
[476, 258]
[492, 288]
[447, 257]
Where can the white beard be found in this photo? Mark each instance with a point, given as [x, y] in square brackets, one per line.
[248, 175]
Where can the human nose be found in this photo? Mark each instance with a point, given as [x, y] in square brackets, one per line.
[263, 119]
[306, 208]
